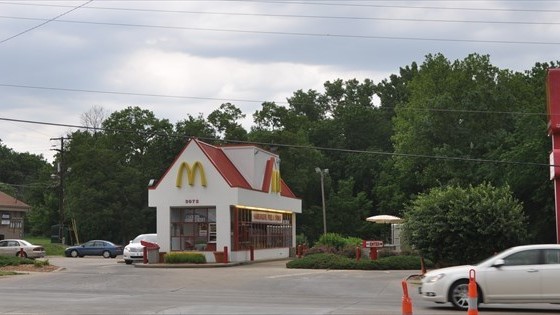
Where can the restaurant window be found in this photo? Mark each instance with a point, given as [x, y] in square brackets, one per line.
[193, 229]
[261, 229]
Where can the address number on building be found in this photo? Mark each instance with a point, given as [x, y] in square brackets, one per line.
[369, 244]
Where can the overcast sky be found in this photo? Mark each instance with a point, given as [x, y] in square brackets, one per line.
[58, 59]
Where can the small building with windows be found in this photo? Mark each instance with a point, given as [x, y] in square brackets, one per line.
[12, 212]
[225, 198]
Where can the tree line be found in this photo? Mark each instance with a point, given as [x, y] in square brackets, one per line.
[440, 124]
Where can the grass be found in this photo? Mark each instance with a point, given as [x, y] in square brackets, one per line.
[51, 249]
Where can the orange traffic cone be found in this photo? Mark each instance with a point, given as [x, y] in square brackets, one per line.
[406, 302]
[472, 294]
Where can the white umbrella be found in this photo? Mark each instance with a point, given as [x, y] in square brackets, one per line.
[384, 218]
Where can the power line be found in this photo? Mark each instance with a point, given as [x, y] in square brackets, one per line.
[302, 16]
[295, 146]
[467, 111]
[47, 21]
[128, 93]
[302, 33]
[324, 3]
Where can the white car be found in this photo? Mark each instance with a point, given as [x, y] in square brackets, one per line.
[134, 251]
[522, 274]
[21, 248]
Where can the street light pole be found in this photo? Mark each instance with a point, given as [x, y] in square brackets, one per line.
[322, 172]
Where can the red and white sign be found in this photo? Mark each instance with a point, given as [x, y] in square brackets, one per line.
[369, 244]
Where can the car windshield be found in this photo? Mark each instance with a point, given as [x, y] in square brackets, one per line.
[491, 257]
[145, 237]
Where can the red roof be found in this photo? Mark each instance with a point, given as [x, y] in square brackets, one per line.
[227, 169]
[224, 165]
[7, 201]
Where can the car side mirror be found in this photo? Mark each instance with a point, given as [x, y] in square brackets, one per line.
[499, 263]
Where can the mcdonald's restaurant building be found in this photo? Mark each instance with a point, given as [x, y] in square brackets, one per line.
[230, 196]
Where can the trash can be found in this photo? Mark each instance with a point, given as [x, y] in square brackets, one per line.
[153, 255]
[152, 252]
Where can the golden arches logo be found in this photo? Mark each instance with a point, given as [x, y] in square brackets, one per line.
[191, 174]
[276, 185]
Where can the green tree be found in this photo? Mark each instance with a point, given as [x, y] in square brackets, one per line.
[349, 211]
[455, 225]
[27, 177]
[225, 121]
[110, 172]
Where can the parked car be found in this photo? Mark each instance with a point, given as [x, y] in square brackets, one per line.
[522, 274]
[94, 248]
[134, 251]
[21, 248]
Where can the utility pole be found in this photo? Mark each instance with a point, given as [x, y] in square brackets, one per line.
[61, 173]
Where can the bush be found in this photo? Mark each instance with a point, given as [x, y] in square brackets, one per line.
[41, 263]
[322, 261]
[333, 261]
[349, 251]
[320, 249]
[333, 240]
[384, 252]
[14, 261]
[179, 258]
[353, 241]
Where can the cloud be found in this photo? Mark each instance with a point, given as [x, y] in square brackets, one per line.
[192, 56]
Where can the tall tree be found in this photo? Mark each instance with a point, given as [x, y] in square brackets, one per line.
[107, 186]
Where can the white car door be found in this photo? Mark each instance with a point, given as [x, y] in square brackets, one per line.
[3, 248]
[550, 273]
[13, 248]
[519, 279]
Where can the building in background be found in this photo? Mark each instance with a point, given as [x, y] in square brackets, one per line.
[12, 212]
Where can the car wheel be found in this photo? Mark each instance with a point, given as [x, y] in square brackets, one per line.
[458, 294]
[74, 253]
[21, 254]
[106, 254]
[128, 262]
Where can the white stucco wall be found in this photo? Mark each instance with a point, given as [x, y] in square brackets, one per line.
[217, 193]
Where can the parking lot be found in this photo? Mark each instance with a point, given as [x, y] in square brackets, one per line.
[105, 286]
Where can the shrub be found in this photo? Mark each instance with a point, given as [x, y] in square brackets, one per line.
[178, 258]
[333, 261]
[41, 263]
[14, 261]
[349, 251]
[320, 249]
[332, 239]
[353, 241]
[322, 261]
[384, 252]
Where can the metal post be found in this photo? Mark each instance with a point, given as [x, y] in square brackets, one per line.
[322, 173]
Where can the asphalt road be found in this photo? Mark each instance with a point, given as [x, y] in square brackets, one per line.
[105, 286]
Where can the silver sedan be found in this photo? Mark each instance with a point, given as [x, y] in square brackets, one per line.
[21, 248]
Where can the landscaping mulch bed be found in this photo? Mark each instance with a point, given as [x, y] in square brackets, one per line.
[29, 268]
